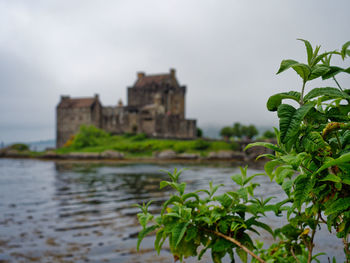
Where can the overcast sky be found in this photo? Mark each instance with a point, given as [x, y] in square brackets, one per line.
[225, 51]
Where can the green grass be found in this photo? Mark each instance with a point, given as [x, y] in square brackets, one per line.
[141, 146]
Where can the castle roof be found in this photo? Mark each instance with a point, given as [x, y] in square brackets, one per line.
[159, 79]
[67, 102]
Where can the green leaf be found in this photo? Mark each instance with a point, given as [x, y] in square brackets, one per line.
[283, 172]
[144, 218]
[178, 232]
[276, 100]
[221, 245]
[264, 144]
[242, 255]
[157, 243]
[344, 50]
[317, 59]
[287, 186]
[338, 114]
[178, 187]
[164, 184]
[172, 199]
[333, 70]
[189, 195]
[303, 186]
[338, 206]
[247, 180]
[313, 142]
[309, 50]
[332, 178]
[345, 158]
[237, 178]
[290, 120]
[191, 233]
[332, 93]
[144, 232]
[264, 226]
[302, 70]
[318, 71]
[224, 199]
[270, 166]
[286, 64]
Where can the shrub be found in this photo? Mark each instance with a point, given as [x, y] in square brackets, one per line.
[269, 135]
[199, 133]
[139, 137]
[311, 164]
[20, 147]
[201, 144]
[88, 136]
[180, 147]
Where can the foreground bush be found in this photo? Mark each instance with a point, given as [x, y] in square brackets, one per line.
[311, 164]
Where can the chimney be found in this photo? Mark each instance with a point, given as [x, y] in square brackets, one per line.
[96, 96]
[140, 75]
[172, 72]
[64, 97]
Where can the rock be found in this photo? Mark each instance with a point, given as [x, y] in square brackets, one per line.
[221, 155]
[239, 156]
[110, 154]
[82, 155]
[8, 152]
[50, 154]
[166, 154]
[188, 156]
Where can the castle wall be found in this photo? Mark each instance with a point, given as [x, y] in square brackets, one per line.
[69, 121]
[175, 127]
[114, 120]
[172, 98]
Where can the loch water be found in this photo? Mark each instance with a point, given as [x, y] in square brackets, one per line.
[83, 211]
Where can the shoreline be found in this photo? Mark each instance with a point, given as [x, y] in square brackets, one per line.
[148, 160]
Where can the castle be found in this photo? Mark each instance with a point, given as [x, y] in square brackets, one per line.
[156, 107]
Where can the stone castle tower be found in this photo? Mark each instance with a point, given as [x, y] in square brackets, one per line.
[156, 106]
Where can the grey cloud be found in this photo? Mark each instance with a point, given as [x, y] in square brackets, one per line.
[226, 52]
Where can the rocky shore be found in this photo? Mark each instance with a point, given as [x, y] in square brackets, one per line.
[166, 155]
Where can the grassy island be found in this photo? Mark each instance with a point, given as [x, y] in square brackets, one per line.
[92, 139]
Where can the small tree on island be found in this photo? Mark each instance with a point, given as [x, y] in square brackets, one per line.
[237, 130]
[249, 131]
[226, 133]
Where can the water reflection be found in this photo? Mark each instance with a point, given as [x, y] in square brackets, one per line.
[78, 212]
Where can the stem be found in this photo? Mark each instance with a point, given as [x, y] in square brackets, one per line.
[346, 249]
[296, 259]
[302, 94]
[337, 83]
[307, 169]
[339, 143]
[311, 242]
[236, 242]
[321, 218]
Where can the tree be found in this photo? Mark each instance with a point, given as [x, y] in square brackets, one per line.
[269, 134]
[226, 132]
[199, 133]
[237, 130]
[249, 131]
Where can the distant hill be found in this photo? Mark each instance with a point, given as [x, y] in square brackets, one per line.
[37, 146]
[41, 145]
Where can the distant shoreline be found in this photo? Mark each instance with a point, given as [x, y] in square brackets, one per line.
[144, 160]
